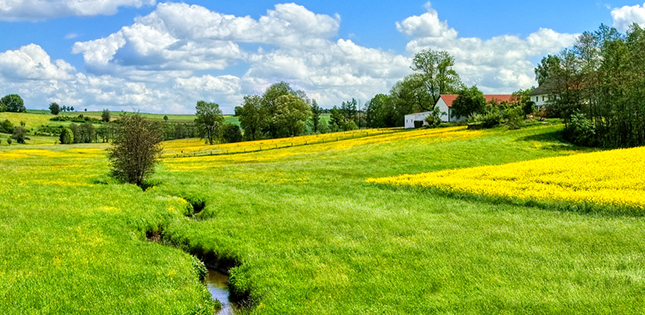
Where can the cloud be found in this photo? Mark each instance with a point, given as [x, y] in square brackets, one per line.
[179, 54]
[625, 16]
[71, 35]
[497, 65]
[30, 10]
[31, 62]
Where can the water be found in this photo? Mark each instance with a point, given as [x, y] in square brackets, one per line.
[217, 284]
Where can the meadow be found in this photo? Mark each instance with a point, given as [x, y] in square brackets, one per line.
[305, 233]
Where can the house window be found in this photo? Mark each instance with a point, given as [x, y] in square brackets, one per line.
[542, 98]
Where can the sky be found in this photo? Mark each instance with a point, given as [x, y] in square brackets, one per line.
[163, 57]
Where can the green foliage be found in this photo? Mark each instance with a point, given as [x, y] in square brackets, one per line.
[380, 112]
[438, 75]
[76, 132]
[165, 117]
[514, 117]
[66, 136]
[291, 114]
[209, 121]
[135, 149]
[54, 108]
[14, 103]
[105, 115]
[581, 130]
[315, 117]
[87, 133]
[3, 107]
[251, 116]
[9, 141]
[434, 120]
[232, 133]
[6, 126]
[19, 134]
[470, 101]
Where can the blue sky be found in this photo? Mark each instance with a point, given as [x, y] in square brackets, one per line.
[350, 49]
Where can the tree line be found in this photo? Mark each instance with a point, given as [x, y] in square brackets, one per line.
[598, 87]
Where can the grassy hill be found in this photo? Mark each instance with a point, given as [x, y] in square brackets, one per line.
[307, 233]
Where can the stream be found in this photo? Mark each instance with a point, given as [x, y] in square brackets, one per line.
[217, 284]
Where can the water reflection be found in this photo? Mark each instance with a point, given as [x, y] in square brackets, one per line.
[217, 284]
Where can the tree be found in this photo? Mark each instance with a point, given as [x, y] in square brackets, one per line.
[269, 106]
[76, 131]
[410, 95]
[165, 117]
[469, 101]
[105, 116]
[135, 149]
[315, 116]
[209, 121]
[291, 114]
[336, 120]
[71, 108]
[87, 132]
[232, 133]
[66, 136]
[3, 107]
[14, 103]
[54, 108]
[19, 133]
[349, 110]
[438, 75]
[251, 117]
[380, 112]
[547, 69]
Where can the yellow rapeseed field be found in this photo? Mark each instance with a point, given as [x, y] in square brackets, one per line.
[615, 178]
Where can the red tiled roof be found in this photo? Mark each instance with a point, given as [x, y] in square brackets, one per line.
[449, 98]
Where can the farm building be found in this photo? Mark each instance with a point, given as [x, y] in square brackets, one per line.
[445, 106]
[540, 96]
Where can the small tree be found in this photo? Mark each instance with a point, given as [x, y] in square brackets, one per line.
[9, 141]
[209, 121]
[232, 133]
[71, 109]
[88, 133]
[165, 117]
[19, 133]
[6, 126]
[54, 108]
[76, 130]
[66, 136]
[469, 101]
[135, 149]
[3, 107]
[105, 116]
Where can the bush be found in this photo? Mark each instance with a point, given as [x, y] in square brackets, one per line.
[6, 127]
[434, 120]
[9, 141]
[54, 108]
[514, 117]
[349, 125]
[581, 130]
[19, 133]
[491, 119]
[232, 133]
[66, 136]
[105, 116]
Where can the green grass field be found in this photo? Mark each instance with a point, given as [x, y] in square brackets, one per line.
[310, 236]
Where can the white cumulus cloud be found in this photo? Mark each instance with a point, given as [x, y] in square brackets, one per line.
[31, 62]
[19, 10]
[625, 16]
[497, 65]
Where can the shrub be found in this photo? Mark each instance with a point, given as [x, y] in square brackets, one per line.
[581, 130]
[105, 116]
[19, 133]
[514, 117]
[349, 125]
[492, 118]
[54, 108]
[9, 141]
[6, 127]
[232, 133]
[135, 149]
[66, 136]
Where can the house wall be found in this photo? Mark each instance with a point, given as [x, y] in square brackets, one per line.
[443, 108]
[540, 100]
[409, 121]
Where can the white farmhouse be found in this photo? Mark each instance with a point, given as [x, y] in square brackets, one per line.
[540, 96]
[445, 106]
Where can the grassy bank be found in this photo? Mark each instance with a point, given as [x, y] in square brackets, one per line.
[310, 235]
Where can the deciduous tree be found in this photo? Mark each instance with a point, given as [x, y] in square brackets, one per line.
[209, 121]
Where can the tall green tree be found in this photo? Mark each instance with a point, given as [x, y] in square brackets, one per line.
[380, 112]
[336, 119]
[547, 69]
[270, 106]
[291, 114]
[251, 117]
[209, 121]
[14, 103]
[468, 102]
[438, 75]
[315, 116]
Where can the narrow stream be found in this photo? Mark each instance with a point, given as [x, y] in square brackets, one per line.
[217, 284]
